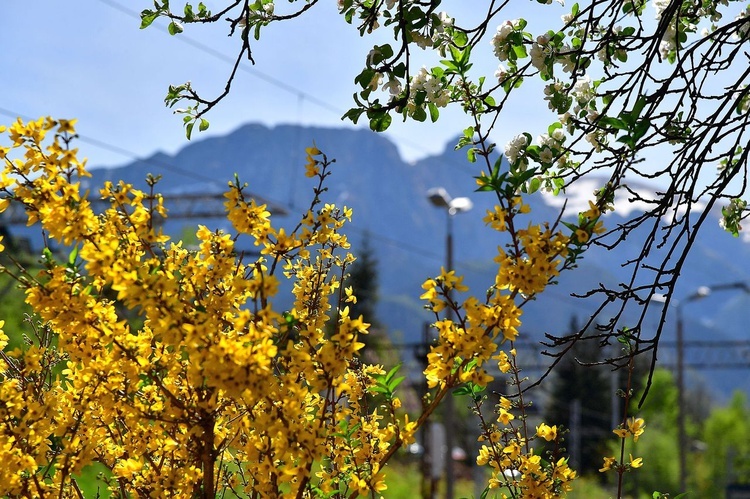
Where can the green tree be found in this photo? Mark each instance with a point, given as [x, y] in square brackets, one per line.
[363, 278]
[727, 457]
[659, 451]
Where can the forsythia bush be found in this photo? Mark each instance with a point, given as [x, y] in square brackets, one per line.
[219, 392]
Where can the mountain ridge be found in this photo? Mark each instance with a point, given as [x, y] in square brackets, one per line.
[388, 197]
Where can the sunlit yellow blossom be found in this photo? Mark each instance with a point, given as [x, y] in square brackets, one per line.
[636, 427]
[582, 236]
[636, 463]
[549, 433]
[609, 462]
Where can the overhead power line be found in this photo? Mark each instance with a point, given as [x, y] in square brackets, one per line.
[244, 67]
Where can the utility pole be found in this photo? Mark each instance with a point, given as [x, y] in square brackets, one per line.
[682, 441]
[441, 199]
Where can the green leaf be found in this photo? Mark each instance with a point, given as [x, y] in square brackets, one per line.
[189, 129]
[148, 17]
[389, 376]
[613, 122]
[638, 107]
[457, 55]
[534, 185]
[496, 166]
[353, 114]
[174, 28]
[392, 384]
[203, 125]
[520, 51]
[640, 129]
[419, 114]
[434, 113]
[471, 155]
[380, 122]
[461, 390]
[72, 256]
[47, 255]
[460, 37]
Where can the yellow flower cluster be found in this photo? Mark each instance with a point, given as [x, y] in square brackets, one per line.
[589, 224]
[469, 335]
[508, 452]
[171, 366]
[633, 427]
[514, 463]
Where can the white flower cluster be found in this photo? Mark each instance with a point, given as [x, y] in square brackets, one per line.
[540, 49]
[596, 139]
[583, 94]
[551, 92]
[500, 45]
[660, 6]
[515, 151]
[501, 73]
[549, 144]
[393, 86]
[432, 86]
[375, 81]
[440, 37]
[566, 121]
[669, 40]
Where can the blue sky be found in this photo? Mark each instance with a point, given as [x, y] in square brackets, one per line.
[90, 61]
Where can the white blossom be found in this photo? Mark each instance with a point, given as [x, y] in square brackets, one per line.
[501, 73]
[432, 86]
[538, 55]
[545, 155]
[375, 81]
[514, 147]
[499, 44]
[660, 6]
[446, 21]
[393, 86]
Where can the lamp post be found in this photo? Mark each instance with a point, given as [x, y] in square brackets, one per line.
[440, 198]
[682, 443]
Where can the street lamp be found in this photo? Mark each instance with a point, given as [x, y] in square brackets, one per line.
[440, 198]
[698, 294]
